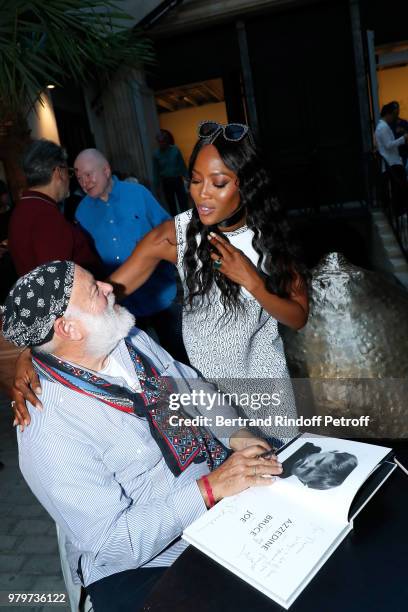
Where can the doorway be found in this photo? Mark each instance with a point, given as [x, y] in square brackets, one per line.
[182, 108]
[393, 85]
[392, 76]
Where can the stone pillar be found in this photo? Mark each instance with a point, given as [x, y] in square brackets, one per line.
[124, 122]
[362, 95]
[147, 118]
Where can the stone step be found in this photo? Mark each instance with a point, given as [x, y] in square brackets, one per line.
[399, 264]
[383, 226]
[402, 277]
[388, 239]
[392, 249]
[393, 252]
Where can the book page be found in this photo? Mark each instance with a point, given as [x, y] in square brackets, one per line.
[269, 541]
[325, 474]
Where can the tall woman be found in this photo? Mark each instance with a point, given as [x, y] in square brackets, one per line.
[238, 266]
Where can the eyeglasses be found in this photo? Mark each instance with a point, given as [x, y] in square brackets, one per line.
[233, 132]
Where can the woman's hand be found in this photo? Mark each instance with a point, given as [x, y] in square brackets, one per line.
[292, 311]
[242, 470]
[233, 263]
[26, 387]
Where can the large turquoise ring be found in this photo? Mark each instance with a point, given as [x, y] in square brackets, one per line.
[217, 263]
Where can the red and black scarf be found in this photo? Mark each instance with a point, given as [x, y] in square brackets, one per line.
[179, 444]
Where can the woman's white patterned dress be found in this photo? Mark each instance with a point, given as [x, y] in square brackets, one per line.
[244, 355]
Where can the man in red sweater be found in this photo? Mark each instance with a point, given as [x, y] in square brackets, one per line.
[38, 231]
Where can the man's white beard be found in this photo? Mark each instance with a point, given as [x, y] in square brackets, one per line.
[107, 329]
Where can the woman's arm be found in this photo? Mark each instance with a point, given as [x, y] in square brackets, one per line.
[292, 311]
[26, 388]
[159, 244]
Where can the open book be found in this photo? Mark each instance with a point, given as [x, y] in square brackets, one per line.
[278, 537]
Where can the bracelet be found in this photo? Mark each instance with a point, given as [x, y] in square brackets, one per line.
[209, 491]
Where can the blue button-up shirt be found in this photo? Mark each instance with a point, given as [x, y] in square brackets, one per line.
[116, 226]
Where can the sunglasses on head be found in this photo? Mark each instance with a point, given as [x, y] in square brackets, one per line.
[231, 131]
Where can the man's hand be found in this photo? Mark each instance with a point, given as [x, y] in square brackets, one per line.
[242, 438]
[242, 470]
[26, 387]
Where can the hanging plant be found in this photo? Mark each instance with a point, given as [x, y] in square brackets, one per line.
[50, 41]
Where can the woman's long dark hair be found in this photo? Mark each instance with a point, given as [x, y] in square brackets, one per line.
[278, 256]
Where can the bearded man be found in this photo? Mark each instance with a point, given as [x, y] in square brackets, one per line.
[103, 457]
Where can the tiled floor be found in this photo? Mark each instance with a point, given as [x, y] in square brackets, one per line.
[29, 559]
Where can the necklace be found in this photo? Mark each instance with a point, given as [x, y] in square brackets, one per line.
[234, 218]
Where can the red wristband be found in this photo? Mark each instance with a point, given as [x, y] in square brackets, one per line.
[209, 491]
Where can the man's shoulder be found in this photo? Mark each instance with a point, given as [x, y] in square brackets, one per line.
[28, 205]
[65, 411]
[138, 338]
[145, 345]
[133, 190]
[85, 204]
[382, 125]
[43, 422]
[67, 423]
[52, 392]
[138, 197]
[29, 213]
[164, 363]
[21, 212]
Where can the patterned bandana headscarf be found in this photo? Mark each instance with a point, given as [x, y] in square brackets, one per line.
[36, 301]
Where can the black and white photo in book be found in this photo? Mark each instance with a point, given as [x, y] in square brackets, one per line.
[317, 469]
[277, 538]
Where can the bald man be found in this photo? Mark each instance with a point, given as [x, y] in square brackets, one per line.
[117, 215]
